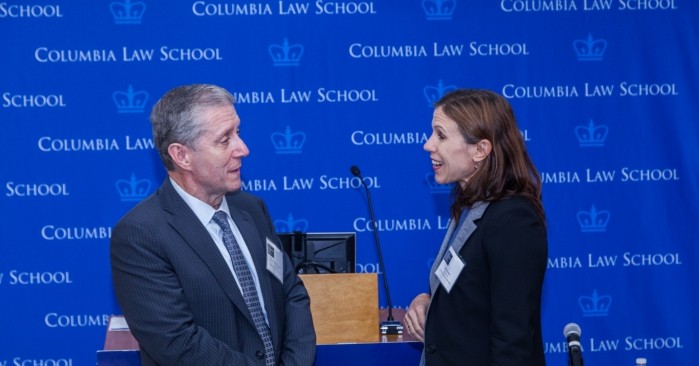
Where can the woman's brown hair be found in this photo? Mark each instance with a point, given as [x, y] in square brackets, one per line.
[508, 170]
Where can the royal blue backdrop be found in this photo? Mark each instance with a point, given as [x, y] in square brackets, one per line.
[605, 92]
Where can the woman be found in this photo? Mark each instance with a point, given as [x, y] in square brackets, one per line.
[485, 285]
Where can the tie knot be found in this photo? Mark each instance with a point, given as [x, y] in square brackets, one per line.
[221, 218]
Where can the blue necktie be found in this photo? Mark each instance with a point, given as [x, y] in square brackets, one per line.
[247, 285]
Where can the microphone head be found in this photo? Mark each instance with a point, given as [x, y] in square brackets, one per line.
[355, 171]
[571, 328]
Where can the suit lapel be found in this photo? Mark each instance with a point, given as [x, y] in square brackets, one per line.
[187, 225]
[458, 240]
[469, 225]
[258, 251]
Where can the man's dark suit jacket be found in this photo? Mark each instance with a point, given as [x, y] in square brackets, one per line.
[180, 298]
[491, 316]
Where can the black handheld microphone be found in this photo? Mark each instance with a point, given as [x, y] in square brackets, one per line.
[390, 326]
[572, 333]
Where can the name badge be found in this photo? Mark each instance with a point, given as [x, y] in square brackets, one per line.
[449, 270]
[275, 261]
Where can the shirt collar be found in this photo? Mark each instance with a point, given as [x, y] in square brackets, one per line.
[202, 210]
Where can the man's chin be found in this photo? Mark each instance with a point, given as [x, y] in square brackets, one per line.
[234, 186]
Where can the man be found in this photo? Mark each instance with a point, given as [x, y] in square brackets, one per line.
[196, 266]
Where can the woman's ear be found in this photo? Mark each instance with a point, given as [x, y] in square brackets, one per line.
[483, 149]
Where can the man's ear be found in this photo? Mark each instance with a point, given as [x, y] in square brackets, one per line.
[483, 148]
[180, 155]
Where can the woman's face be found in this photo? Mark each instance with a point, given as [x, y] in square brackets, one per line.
[452, 156]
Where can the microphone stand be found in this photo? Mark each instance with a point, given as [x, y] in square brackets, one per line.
[390, 326]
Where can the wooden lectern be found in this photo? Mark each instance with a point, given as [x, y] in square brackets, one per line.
[345, 307]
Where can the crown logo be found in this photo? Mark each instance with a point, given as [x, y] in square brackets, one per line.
[291, 225]
[285, 54]
[133, 189]
[593, 221]
[130, 101]
[287, 142]
[591, 135]
[436, 188]
[590, 49]
[595, 305]
[438, 9]
[434, 93]
[127, 12]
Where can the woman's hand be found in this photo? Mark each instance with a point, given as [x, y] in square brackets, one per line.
[414, 320]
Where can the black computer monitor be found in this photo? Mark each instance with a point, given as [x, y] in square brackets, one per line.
[331, 252]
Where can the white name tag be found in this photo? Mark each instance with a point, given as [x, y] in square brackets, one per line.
[275, 261]
[450, 268]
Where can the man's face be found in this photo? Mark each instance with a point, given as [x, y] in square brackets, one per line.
[218, 152]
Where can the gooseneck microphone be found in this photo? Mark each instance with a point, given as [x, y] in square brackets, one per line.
[390, 326]
[572, 333]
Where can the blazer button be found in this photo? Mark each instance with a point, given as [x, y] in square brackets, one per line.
[431, 348]
[260, 355]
